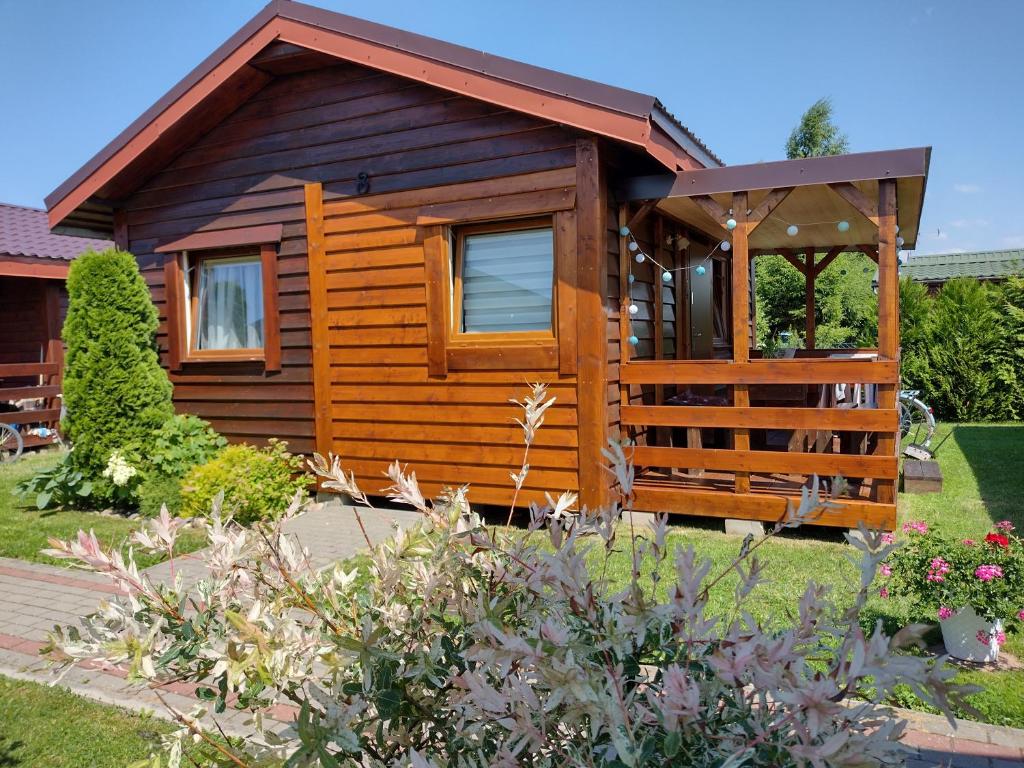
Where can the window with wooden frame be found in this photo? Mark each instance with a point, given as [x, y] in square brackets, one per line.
[504, 281]
[222, 299]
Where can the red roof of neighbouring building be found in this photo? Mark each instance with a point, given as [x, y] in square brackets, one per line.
[26, 232]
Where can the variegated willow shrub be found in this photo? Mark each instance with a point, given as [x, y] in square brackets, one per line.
[479, 646]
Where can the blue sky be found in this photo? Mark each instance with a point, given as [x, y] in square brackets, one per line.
[900, 72]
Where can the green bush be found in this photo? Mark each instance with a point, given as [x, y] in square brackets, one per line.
[114, 389]
[182, 442]
[257, 483]
[158, 490]
[60, 487]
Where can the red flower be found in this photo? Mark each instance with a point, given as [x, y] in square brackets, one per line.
[998, 539]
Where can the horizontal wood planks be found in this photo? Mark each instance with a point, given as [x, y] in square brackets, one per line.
[396, 393]
[800, 371]
[758, 506]
[420, 147]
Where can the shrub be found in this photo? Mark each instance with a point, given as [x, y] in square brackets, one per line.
[257, 483]
[114, 389]
[60, 487]
[475, 646]
[157, 491]
[183, 441]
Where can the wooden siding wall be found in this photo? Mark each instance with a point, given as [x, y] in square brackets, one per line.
[23, 319]
[329, 126]
[384, 404]
[647, 280]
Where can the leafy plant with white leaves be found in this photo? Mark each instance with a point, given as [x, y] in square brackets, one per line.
[477, 646]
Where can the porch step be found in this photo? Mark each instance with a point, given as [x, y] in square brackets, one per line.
[922, 476]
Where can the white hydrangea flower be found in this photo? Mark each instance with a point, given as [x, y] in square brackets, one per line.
[118, 470]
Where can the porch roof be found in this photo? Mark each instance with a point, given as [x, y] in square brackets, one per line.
[813, 193]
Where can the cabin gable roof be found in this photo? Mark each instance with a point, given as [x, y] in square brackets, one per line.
[286, 31]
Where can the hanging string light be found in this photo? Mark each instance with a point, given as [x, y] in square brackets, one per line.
[640, 256]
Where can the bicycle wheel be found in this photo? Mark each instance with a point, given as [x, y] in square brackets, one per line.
[11, 444]
[916, 419]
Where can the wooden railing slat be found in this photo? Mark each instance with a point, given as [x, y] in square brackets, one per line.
[28, 393]
[41, 416]
[28, 369]
[821, 464]
[847, 419]
[802, 371]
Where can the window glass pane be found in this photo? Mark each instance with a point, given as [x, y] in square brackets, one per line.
[506, 281]
[229, 311]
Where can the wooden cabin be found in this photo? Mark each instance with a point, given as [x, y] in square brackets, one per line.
[366, 241]
[33, 266]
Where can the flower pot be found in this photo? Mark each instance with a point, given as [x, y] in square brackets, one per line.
[969, 637]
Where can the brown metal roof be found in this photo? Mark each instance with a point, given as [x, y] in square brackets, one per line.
[622, 115]
[24, 232]
[812, 205]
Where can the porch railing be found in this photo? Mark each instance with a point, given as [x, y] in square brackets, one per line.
[13, 387]
[880, 466]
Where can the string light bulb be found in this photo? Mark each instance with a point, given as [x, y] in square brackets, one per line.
[634, 340]
[631, 277]
[792, 230]
[640, 258]
[633, 309]
[899, 242]
[726, 245]
[624, 231]
[843, 226]
[700, 269]
[633, 246]
[666, 276]
[730, 224]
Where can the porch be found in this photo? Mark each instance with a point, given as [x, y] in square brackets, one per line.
[718, 427]
[31, 354]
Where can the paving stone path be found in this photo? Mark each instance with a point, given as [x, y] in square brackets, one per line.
[34, 597]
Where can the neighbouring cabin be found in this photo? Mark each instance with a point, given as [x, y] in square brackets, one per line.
[936, 269]
[367, 242]
[33, 301]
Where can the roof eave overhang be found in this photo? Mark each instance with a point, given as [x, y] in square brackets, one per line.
[631, 119]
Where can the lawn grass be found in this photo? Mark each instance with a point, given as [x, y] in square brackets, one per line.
[48, 726]
[983, 483]
[24, 530]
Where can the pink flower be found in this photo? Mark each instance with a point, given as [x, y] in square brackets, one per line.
[915, 526]
[937, 570]
[888, 538]
[1020, 615]
[988, 572]
[968, 542]
[884, 593]
[885, 570]
[944, 612]
[1005, 526]
[985, 637]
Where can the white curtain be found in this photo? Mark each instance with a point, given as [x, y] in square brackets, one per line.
[230, 304]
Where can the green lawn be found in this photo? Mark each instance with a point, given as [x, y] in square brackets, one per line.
[24, 529]
[44, 726]
[983, 483]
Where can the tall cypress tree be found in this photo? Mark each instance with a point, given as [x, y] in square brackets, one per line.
[115, 391]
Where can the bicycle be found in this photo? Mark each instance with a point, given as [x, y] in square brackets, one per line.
[11, 443]
[915, 415]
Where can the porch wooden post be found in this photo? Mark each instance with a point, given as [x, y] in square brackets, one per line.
[810, 274]
[592, 322]
[54, 345]
[741, 321]
[888, 320]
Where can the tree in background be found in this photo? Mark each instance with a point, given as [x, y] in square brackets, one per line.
[846, 309]
[115, 391]
[915, 334]
[817, 134]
